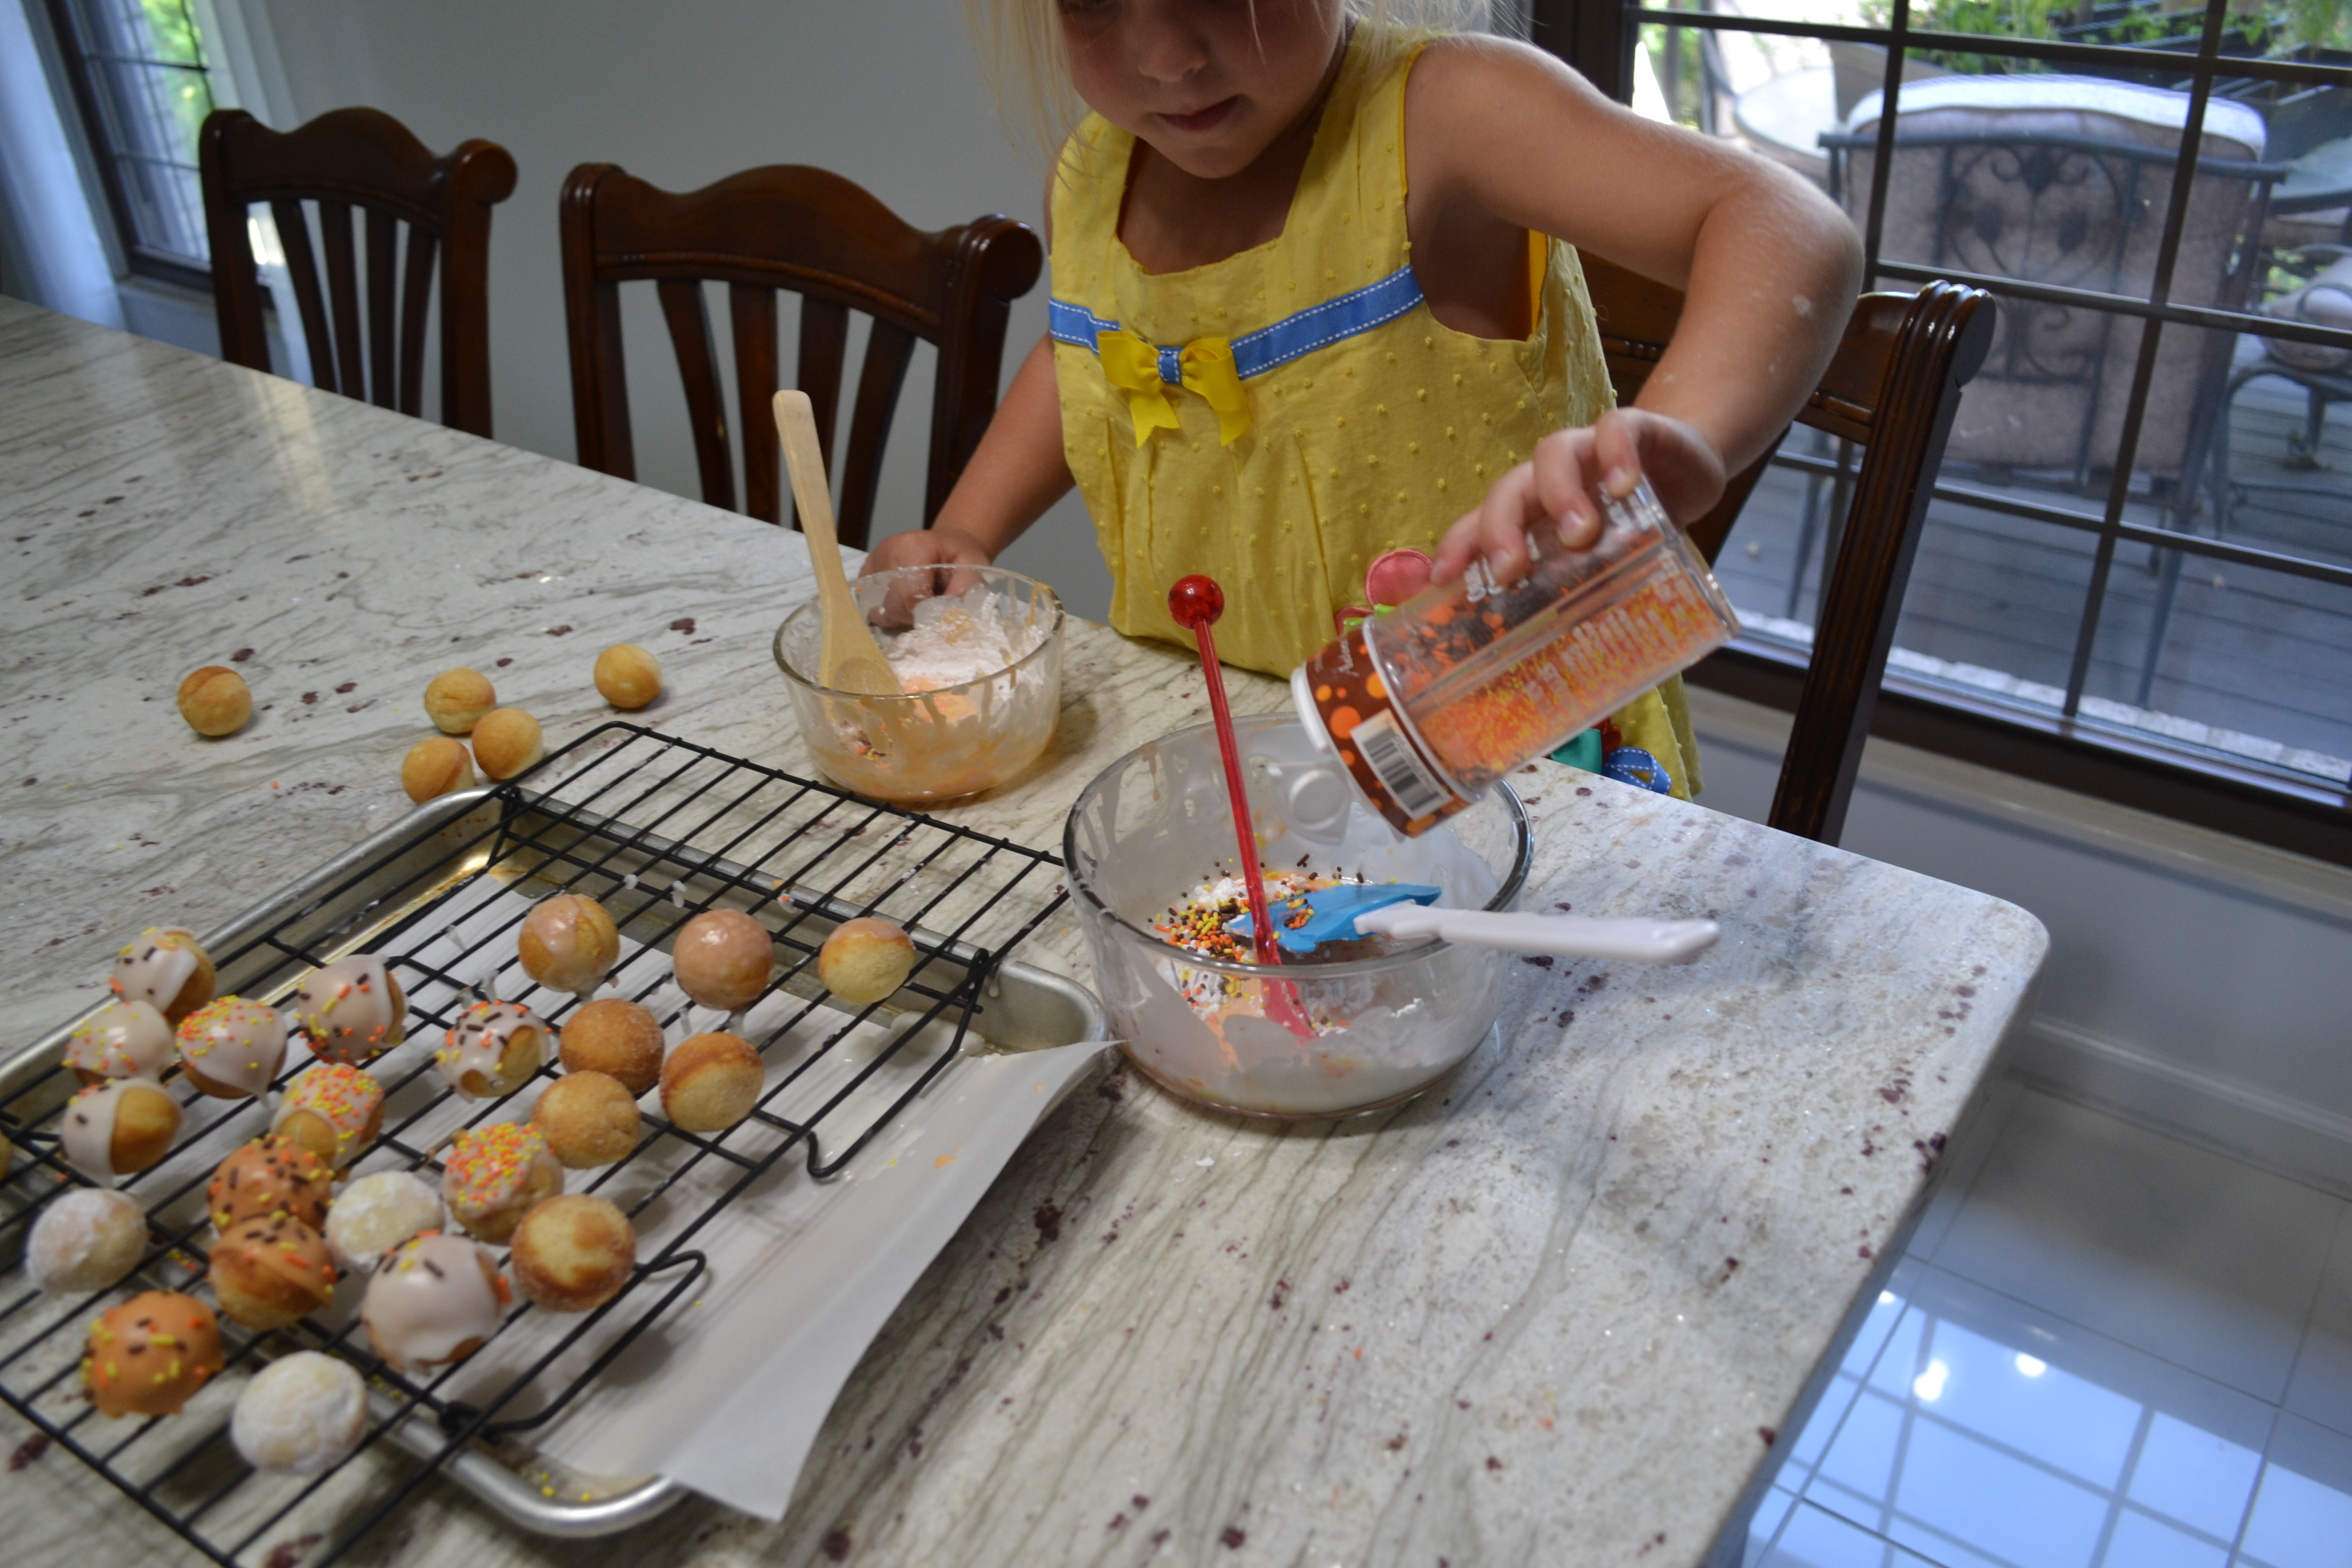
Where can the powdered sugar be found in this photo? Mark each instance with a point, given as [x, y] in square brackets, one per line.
[962, 637]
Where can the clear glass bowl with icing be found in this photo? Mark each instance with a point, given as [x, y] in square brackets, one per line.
[1387, 1021]
[952, 740]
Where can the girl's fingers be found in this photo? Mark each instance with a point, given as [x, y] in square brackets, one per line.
[1562, 475]
[1617, 452]
[1503, 519]
[949, 552]
[1456, 549]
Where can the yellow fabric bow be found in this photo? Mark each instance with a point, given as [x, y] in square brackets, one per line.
[1132, 365]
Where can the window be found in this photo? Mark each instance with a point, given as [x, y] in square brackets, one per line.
[138, 74]
[2141, 536]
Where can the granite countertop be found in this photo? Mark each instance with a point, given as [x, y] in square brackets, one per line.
[1570, 1296]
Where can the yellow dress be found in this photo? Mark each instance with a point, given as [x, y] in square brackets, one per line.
[1281, 418]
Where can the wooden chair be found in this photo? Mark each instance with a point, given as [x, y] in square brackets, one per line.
[840, 250]
[1892, 390]
[360, 158]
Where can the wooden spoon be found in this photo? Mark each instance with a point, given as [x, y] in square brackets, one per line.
[847, 657]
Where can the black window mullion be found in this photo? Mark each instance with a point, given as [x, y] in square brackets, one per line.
[116, 56]
[2176, 218]
[2205, 316]
[1890, 93]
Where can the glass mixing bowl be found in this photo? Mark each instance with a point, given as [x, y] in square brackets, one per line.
[937, 744]
[1157, 823]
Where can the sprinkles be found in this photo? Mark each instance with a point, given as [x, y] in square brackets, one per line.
[488, 1167]
[1198, 924]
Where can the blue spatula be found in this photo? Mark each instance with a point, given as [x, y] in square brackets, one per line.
[1331, 912]
[1380, 909]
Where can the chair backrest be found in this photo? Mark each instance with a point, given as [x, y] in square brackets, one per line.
[2065, 181]
[828, 240]
[1892, 390]
[360, 158]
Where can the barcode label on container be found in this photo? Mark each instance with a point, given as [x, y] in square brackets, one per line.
[1391, 757]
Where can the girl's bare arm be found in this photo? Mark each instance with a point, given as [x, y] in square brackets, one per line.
[1016, 472]
[1769, 266]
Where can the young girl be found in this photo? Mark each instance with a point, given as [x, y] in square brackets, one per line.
[1316, 295]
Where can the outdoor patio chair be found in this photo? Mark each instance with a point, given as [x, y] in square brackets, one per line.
[828, 240]
[1893, 390]
[2063, 183]
[2325, 374]
[360, 158]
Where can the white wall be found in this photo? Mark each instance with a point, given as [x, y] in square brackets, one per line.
[2195, 981]
[884, 92]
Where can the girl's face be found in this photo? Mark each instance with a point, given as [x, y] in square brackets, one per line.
[1208, 84]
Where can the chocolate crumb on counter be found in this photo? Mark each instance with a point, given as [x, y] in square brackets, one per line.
[287, 1553]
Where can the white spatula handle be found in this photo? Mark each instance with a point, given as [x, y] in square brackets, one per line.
[1563, 936]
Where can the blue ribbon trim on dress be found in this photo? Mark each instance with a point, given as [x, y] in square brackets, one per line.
[1269, 348]
[1074, 324]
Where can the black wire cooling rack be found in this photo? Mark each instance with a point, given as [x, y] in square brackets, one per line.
[657, 830]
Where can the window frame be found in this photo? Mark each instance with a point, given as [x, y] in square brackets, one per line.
[140, 259]
[2063, 748]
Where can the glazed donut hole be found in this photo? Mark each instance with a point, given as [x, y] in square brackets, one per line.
[271, 1271]
[231, 1047]
[267, 1177]
[723, 958]
[492, 1177]
[627, 677]
[493, 1049]
[505, 741]
[456, 701]
[864, 960]
[574, 1253]
[149, 1355]
[215, 700]
[436, 767]
[432, 1300]
[118, 1127]
[568, 942]
[711, 1082]
[150, 970]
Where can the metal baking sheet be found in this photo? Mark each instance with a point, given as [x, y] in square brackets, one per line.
[658, 830]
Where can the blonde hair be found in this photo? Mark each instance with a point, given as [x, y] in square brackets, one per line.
[1020, 48]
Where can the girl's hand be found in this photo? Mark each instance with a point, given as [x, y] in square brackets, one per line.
[944, 546]
[936, 546]
[1556, 488]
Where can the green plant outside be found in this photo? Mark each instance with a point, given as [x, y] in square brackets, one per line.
[172, 33]
[2275, 27]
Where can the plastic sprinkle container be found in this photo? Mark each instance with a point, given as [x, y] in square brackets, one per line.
[1428, 704]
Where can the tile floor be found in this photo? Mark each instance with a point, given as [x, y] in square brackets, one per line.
[2103, 1349]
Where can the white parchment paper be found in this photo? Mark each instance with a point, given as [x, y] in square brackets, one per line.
[725, 1391]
